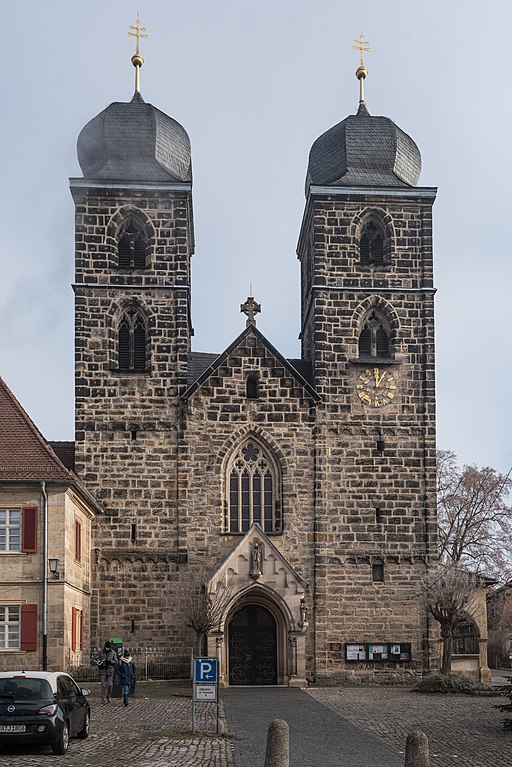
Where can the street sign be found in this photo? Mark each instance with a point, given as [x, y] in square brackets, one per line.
[207, 692]
[205, 670]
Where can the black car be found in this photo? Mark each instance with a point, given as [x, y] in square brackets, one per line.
[42, 707]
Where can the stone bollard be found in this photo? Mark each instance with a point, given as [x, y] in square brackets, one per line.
[416, 750]
[278, 744]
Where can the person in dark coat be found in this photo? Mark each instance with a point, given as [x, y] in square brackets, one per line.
[106, 660]
[126, 673]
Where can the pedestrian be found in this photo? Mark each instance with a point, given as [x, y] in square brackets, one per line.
[126, 673]
[106, 660]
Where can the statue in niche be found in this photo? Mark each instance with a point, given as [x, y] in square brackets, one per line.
[303, 613]
[256, 560]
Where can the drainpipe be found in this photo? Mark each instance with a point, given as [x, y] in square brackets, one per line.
[45, 575]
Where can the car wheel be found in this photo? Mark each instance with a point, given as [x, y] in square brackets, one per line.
[84, 732]
[61, 746]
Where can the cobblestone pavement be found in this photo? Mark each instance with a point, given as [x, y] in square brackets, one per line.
[155, 730]
[151, 732]
[318, 737]
[462, 729]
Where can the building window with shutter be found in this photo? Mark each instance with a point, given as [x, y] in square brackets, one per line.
[374, 339]
[132, 341]
[18, 530]
[252, 492]
[371, 244]
[78, 541]
[10, 529]
[10, 627]
[132, 246]
[77, 629]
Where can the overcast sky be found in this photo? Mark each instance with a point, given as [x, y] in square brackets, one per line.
[254, 84]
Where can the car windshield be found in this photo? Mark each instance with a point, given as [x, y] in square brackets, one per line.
[25, 688]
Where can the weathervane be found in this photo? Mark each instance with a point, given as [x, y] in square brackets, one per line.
[361, 71]
[137, 59]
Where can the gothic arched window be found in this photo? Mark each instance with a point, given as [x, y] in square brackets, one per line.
[132, 341]
[374, 339]
[465, 639]
[132, 246]
[371, 244]
[252, 490]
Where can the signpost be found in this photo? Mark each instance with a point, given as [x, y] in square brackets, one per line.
[205, 688]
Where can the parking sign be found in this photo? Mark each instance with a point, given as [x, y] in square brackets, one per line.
[205, 670]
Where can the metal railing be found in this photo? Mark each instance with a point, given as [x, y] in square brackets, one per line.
[152, 664]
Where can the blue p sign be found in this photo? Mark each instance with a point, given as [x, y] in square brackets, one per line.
[206, 670]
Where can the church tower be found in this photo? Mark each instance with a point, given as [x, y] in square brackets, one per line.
[134, 242]
[367, 300]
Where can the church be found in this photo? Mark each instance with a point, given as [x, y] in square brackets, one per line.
[300, 493]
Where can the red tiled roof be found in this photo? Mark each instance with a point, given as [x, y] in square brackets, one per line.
[24, 452]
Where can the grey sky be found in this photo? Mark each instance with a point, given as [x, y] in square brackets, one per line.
[254, 84]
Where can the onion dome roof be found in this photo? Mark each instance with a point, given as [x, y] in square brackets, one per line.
[134, 141]
[364, 151]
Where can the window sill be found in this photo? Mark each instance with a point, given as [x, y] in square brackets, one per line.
[270, 535]
[374, 361]
[142, 373]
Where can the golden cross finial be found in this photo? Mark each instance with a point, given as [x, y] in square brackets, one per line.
[360, 46]
[361, 71]
[137, 32]
[137, 59]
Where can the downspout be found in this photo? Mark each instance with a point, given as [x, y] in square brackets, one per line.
[45, 575]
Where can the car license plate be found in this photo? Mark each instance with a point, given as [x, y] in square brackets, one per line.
[13, 727]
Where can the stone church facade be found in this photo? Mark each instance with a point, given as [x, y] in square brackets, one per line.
[299, 492]
[303, 489]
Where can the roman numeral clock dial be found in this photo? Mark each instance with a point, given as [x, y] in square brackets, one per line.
[376, 387]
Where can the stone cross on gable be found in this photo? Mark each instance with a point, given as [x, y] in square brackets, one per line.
[250, 308]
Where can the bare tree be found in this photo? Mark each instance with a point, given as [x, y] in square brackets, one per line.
[474, 516]
[500, 625]
[203, 605]
[450, 598]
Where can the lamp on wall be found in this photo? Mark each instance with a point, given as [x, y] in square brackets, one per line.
[54, 568]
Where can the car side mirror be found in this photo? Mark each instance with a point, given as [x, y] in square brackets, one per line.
[85, 692]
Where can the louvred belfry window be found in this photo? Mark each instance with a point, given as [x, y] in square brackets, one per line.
[132, 342]
[253, 491]
[371, 245]
[374, 340]
[132, 246]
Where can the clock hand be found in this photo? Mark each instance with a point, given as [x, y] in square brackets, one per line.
[378, 380]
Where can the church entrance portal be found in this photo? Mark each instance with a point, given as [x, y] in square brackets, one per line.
[253, 646]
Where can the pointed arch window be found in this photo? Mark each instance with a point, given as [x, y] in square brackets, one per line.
[132, 246]
[371, 244]
[132, 342]
[374, 339]
[253, 490]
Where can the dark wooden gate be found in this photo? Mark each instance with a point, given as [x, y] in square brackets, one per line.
[253, 646]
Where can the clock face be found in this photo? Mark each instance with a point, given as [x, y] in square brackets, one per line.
[376, 387]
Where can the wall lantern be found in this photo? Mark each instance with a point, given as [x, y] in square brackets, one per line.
[54, 568]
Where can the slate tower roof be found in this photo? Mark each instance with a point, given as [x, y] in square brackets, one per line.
[134, 141]
[363, 150]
